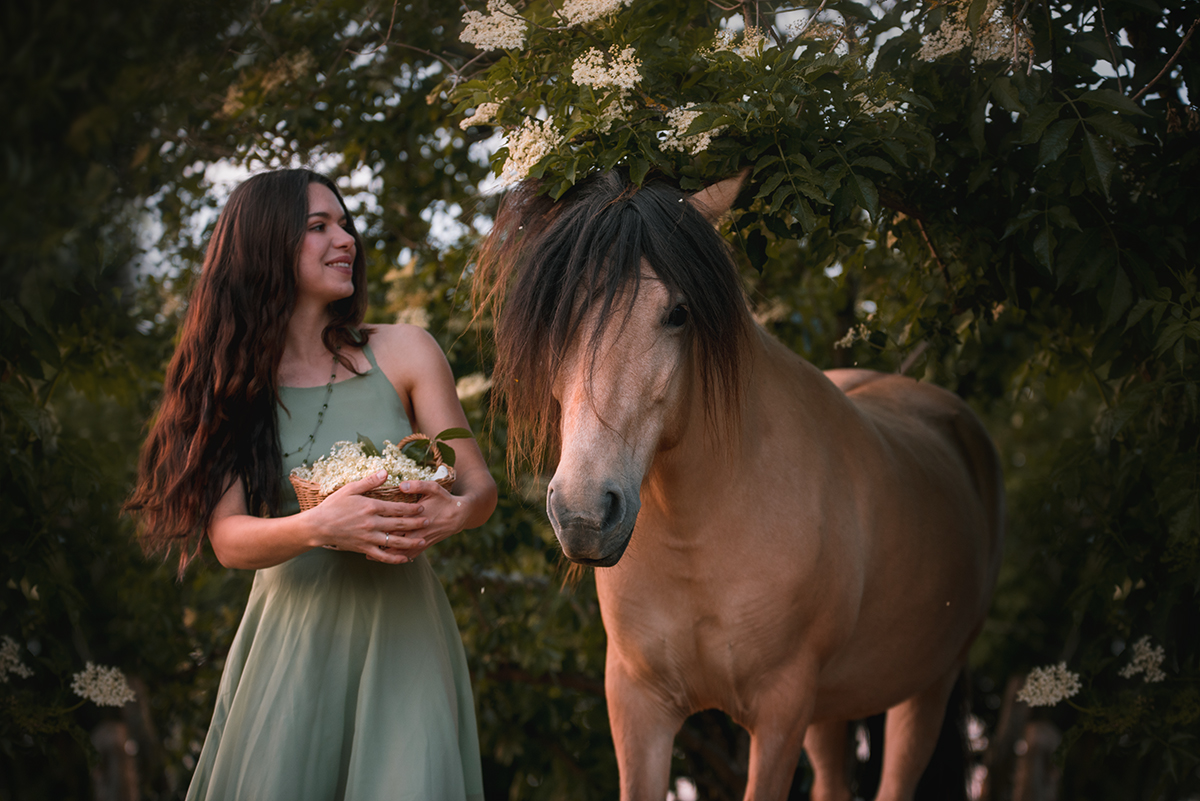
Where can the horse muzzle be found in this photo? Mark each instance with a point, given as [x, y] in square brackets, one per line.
[595, 530]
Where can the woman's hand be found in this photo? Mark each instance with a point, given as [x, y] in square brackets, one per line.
[384, 531]
[438, 514]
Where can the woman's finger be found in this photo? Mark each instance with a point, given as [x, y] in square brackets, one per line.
[399, 542]
[398, 509]
[422, 487]
[403, 523]
[363, 484]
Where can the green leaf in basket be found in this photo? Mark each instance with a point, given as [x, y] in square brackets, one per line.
[447, 454]
[368, 447]
[419, 451]
[453, 433]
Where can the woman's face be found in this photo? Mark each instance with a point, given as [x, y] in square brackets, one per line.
[326, 268]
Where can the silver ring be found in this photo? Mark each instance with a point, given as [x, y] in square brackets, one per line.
[386, 539]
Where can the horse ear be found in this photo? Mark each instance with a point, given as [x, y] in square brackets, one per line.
[715, 200]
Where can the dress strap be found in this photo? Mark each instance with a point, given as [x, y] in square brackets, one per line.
[370, 356]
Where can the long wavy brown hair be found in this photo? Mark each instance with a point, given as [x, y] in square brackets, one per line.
[216, 423]
[546, 263]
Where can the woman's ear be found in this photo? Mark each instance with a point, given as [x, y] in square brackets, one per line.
[715, 200]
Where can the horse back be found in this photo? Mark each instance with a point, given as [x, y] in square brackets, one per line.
[890, 400]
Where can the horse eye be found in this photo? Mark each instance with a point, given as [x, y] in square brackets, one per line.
[677, 317]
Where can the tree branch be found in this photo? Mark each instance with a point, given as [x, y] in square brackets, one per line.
[1171, 62]
[941, 264]
[382, 44]
[1111, 50]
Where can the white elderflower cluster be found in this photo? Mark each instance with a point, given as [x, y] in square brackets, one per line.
[1146, 660]
[619, 107]
[582, 12]
[994, 40]
[484, 113]
[502, 28]
[472, 386]
[856, 333]
[346, 462]
[1046, 686]
[103, 686]
[527, 145]
[10, 661]
[592, 69]
[813, 30]
[680, 119]
[752, 42]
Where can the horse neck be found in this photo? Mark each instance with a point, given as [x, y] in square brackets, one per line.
[709, 452]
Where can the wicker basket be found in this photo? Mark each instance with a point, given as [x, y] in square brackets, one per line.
[309, 493]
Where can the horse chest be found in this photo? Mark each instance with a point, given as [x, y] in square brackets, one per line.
[704, 639]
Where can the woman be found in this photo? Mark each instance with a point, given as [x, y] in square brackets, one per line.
[346, 679]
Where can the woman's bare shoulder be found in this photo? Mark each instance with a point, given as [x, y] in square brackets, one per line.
[400, 348]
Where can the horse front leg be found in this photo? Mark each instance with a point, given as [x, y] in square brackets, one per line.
[643, 729]
[825, 744]
[777, 737]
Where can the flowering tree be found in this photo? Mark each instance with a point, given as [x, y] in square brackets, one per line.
[1000, 191]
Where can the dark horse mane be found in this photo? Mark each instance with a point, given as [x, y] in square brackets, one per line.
[547, 263]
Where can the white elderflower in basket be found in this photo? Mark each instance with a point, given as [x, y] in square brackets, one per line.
[351, 461]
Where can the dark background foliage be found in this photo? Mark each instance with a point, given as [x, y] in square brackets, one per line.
[1029, 244]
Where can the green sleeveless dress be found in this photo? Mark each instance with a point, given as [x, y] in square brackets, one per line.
[346, 678]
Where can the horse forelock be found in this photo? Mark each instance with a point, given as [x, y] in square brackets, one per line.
[558, 262]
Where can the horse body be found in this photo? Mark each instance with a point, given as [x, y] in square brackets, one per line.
[832, 561]
[821, 551]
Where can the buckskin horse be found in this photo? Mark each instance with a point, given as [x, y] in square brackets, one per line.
[799, 549]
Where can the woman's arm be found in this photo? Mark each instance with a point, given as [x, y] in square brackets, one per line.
[416, 366]
[346, 520]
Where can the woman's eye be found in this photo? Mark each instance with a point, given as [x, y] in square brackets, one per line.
[677, 317]
[318, 228]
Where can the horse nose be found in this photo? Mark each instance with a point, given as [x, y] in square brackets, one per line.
[613, 507]
[586, 530]
[609, 513]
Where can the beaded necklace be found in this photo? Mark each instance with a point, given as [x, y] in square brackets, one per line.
[312, 438]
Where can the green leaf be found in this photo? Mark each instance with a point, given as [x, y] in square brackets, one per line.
[637, 173]
[14, 311]
[975, 13]
[808, 220]
[1006, 95]
[756, 249]
[1167, 339]
[1099, 162]
[1043, 247]
[977, 122]
[1112, 100]
[1138, 312]
[1055, 141]
[770, 185]
[368, 447]
[1038, 120]
[1118, 129]
[875, 163]
[763, 163]
[866, 193]
[1119, 299]
[454, 433]
[1063, 218]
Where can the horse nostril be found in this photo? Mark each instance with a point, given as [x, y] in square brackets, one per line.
[614, 511]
